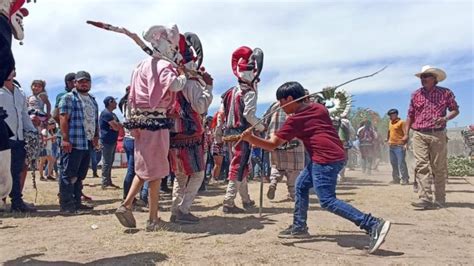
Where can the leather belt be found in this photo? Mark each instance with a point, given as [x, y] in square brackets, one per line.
[429, 130]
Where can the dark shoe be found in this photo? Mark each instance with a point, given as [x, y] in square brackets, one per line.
[68, 211]
[186, 218]
[140, 203]
[23, 208]
[234, 209]
[378, 234]
[173, 218]
[110, 185]
[271, 192]
[84, 207]
[291, 232]
[404, 183]
[248, 205]
[42, 178]
[95, 175]
[51, 178]
[125, 217]
[424, 205]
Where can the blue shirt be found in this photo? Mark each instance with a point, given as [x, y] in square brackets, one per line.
[71, 104]
[107, 134]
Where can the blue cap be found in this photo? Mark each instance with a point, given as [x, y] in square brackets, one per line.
[108, 100]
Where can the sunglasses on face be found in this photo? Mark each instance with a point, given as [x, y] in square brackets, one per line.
[424, 76]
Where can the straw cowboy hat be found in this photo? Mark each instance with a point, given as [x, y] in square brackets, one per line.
[439, 74]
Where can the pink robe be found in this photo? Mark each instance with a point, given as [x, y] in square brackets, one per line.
[150, 88]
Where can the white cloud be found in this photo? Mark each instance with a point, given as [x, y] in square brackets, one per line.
[316, 43]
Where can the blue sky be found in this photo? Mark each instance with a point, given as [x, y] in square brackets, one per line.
[318, 43]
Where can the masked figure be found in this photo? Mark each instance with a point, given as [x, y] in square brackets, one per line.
[239, 105]
[187, 135]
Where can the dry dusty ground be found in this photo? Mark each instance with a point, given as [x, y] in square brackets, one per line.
[417, 237]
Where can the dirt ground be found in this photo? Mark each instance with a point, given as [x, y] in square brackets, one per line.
[435, 237]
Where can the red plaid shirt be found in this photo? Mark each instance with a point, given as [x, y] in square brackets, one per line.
[426, 106]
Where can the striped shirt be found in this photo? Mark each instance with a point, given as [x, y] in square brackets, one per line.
[426, 106]
[72, 105]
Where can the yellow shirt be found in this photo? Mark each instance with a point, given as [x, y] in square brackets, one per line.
[396, 132]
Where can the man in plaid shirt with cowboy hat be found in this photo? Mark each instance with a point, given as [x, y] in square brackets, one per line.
[427, 116]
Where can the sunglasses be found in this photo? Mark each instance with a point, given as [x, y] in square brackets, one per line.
[424, 76]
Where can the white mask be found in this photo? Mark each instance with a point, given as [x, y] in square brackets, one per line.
[17, 25]
[247, 75]
[165, 48]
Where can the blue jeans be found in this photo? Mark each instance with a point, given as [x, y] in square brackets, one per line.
[129, 147]
[323, 178]
[96, 156]
[108, 154]
[144, 192]
[399, 165]
[18, 158]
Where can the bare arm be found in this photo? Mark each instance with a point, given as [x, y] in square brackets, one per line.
[269, 144]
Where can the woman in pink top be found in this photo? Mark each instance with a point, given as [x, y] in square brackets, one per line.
[154, 83]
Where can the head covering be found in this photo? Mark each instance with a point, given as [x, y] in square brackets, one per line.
[69, 77]
[108, 100]
[82, 75]
[163, 39]
[190, 49]
[245, 59]
[438, 73]
[17, 23]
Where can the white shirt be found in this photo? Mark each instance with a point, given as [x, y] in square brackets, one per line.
[200, 97]
[15, 105]
[89, 115]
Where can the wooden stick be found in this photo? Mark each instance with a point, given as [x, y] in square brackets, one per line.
[312, 94]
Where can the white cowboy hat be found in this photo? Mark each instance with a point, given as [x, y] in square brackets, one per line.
[440, 74]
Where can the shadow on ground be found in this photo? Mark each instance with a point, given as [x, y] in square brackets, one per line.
[143, 258]
[355, 241]
[222, 225]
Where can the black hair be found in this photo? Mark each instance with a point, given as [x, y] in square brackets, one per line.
[123, 102]
[291, 88]
[392, 111]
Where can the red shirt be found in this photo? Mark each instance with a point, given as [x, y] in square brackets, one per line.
[426, 106]
[313, 126]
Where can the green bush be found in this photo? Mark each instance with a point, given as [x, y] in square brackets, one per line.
[460, 166]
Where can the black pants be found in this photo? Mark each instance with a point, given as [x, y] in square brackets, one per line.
[7, 62]
[73, 172]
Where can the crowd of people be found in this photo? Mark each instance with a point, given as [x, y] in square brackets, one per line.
[168, 133]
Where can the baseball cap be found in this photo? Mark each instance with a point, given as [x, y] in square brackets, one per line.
[69, 77]
[108, 99]
[83, 75]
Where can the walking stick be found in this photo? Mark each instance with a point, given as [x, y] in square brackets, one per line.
[261, 183]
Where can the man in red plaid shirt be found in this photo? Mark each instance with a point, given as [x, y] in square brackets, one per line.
[427, 116]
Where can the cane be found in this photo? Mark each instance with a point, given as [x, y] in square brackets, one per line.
[261, 183]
